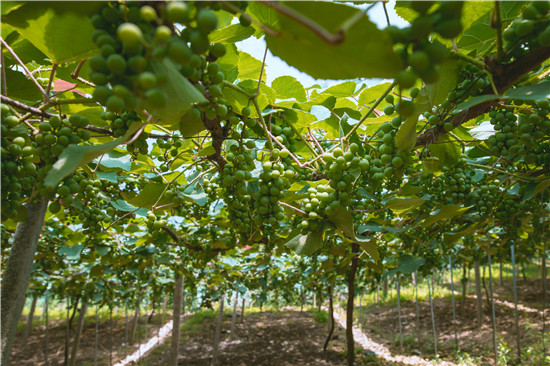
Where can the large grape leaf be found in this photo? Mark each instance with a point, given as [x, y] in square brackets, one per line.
[288, 87]
[365, 52]
[63, 33]
[308, 244]
[182, 96]
[401, 205]
[446, 151]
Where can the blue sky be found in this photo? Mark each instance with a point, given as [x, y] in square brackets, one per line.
[276, 67]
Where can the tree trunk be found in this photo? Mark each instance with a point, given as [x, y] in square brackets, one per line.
[385, 288]
[217, 333]
[330, 318]
[234, 317]
[479, 295]
[430, 291]
[314, 299]
[135, 321]
[415, 280]
[46, 333]
[515, 291]
[96, 334]
[453, 303]
[242, 310]
[163, 310]
[493, 319]
[464, 284]
[500, 273]
[349, 307]
[78, 333]
[111, 336]
[30, 316]
[176, 317]
[17, 272]
[398, 290]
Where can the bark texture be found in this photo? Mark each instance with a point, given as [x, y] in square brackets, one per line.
[17, 273]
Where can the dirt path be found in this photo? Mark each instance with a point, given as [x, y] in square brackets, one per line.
[288, 338]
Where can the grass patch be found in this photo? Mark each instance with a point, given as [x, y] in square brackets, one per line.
[319, 316]
[192, 324]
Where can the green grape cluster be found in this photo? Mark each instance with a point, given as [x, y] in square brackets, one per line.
[414, 45]
[454, 185]
[530, 30]
[273, 183]
[389, 162]
[343, 169]
[485, 197]
[119, 123]
[56, 134]
[321, 202]
[131, 37]
[170, 149]
[19, 171]
[520, 136]
[234, 181]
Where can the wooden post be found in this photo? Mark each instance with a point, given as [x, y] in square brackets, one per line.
[330, 318]
[176, 318]
[96, 337]
[78, 333]
[217, 333]
[398, 290]
[430, 288]
[515, 291]
[46, 333]
[453, 302]
[30, 316]
[479, 295]
[349, 308]
[234, 317]
[242, 310]
[493, 311]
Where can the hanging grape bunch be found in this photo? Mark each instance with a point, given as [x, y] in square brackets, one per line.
[454, 185]
[414, 45]
[530, 30]
[131, 38]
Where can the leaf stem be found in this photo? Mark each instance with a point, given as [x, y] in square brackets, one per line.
[292, 208]
[501, 171]
[29, 74]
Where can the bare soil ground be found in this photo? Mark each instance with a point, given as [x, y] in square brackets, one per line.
[289, 338]
[33, 353]
[383, 327]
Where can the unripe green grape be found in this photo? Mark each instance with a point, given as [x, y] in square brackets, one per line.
[450, 28]
[137, 63]
[177, 12]
[218, 78]
[50, 139]
[98, 78]
[207, 21]
[388, 110]
[406, 79]
[217, 50]
[199, 42]
[115, 104]
[437, 52]
[116, 64]
[414, 92]
[214, 91]
[419, 60]
[54, 207]
[544, 37]
[245, 21]
[148, 13]
[129, 34]
[98, 64]
[147, 80]
[162, 34]
[542, 6]
[524, 27]
[448, 126]
[180, 52]
[221, 110]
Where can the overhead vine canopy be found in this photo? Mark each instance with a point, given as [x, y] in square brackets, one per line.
[149, 132]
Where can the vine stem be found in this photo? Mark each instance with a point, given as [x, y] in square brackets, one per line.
[261, 73]
[371, 109]
[292, 208]
[501, 171]
[29, 74]
[496, 21]
[50, 81]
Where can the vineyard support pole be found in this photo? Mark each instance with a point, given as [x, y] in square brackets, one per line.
[46, 334]
[17, 272]
[242, 309]
[96, 337]
[176, 318]
[493, 310]
[67, 333]
[234, 316]
[430, 288]
[479, 294]
[350, 303]
[544, 299]
[126, 329]
[453, 302]
[78, 332]
[217, 333]
[515, 291]
[417, 306]
[398, 290]
[30, 317]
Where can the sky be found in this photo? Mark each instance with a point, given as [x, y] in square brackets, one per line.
[276, 67]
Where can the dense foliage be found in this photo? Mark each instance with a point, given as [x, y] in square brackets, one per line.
[160, 146]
